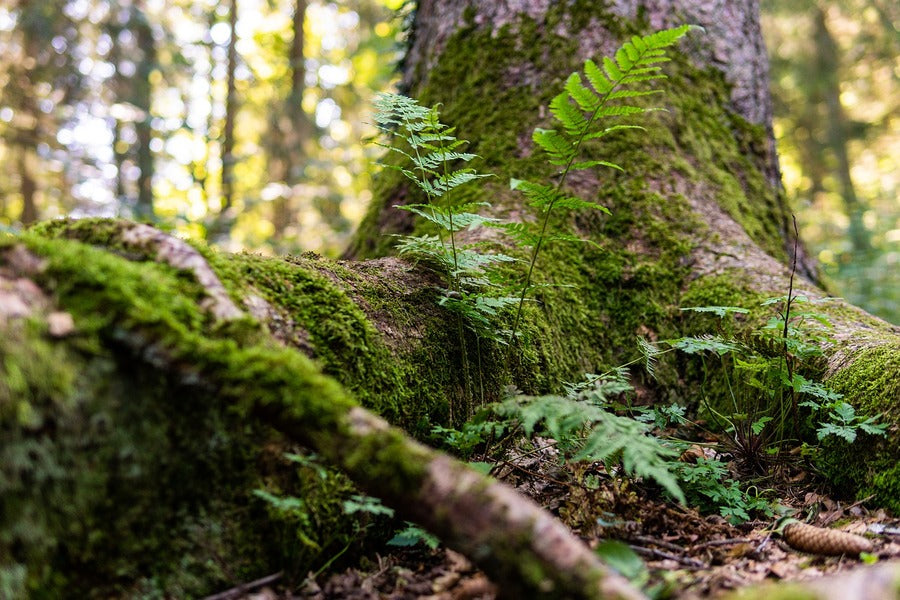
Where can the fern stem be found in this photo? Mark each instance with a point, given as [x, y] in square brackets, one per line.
[562, 180]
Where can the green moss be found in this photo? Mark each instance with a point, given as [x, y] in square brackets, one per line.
[98, 442]
[869, 465]
[635, 284]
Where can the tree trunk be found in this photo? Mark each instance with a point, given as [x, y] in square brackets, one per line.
[28, 189]
[153, 388]
[290, 130]
[143, 100]
[837, 128]
[221, 226]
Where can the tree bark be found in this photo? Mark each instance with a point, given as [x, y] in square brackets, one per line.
[143, 100]
[221, 226]
[290, 131]
[169, 393]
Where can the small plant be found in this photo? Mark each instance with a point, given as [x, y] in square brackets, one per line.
[707, 485]
[413, 535]
[586, 429]
[582, 112]
[432, 149]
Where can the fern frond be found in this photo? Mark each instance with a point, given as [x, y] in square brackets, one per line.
[446, 182]
[523, 233]
[587, 164]
[585, 98]
[609, 438]
[560, 149]
[649, 353]
[567, 114]
[539, 196]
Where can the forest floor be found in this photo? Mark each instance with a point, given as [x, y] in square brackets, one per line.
[685, 554]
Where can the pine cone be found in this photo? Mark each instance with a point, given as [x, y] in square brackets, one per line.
[818, 540]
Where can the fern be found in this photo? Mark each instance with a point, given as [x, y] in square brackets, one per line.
[581, 111]
[589, 432]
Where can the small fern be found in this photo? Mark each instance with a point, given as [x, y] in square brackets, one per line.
[589, 432]
[582, 113]
[433, 148]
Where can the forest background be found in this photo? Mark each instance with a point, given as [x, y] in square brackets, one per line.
[244, 122]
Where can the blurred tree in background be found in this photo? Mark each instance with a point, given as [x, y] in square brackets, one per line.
[835, 74]
[240, 122]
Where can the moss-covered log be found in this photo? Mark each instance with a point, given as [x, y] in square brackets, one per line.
[148, 389]
[56, 362]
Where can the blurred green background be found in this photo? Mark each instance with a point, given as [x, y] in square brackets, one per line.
[241, 122]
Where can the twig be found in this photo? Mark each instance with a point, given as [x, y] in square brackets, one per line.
[721, 543]
[533, 473]
[240, 590]
[645, 539]
[685, 560]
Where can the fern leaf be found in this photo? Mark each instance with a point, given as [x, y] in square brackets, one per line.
[523, 233]
[597, 78]
[649, 352]
[597, 163]
[575, 203]
[454, 179]
[625, 56]
[585, 98]
[559, 148]
[567, 114]
[619, 94]
[608, 130]
[622, 110]
[611, 69]
[540, 196]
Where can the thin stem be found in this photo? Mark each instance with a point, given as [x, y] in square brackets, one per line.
[454, 281]
[565, 173]
[788, 362]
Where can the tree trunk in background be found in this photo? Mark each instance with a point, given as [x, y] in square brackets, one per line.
[143, 101]
[28, 189]
[290, 128]
[165, 408]
[28, 137]
[225, 219]
[837, 129]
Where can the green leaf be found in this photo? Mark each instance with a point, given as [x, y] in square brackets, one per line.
[559, 148]
[482, 467]
[597, 78]
[622, 558]
[568, 114]
[719, 311]
[760, 424]
[413, 535]
[366, 504]
[704, 343]
[585, 98]
[595, 163]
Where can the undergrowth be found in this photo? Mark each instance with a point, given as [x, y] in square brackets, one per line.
[774, 403]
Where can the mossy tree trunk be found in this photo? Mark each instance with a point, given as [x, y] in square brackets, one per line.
[153, 388]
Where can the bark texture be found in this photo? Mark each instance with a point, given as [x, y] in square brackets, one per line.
[154, 387]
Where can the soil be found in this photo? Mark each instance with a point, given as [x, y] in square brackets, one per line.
[686, 554]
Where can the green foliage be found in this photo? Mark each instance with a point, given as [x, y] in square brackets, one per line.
[366, 504]
[582, 113]
[767, 364]
[431, 150]
[707, 485]
[413, 535]
[587, 430]
[624, 560]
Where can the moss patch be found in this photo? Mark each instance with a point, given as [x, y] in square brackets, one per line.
[121, 479]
